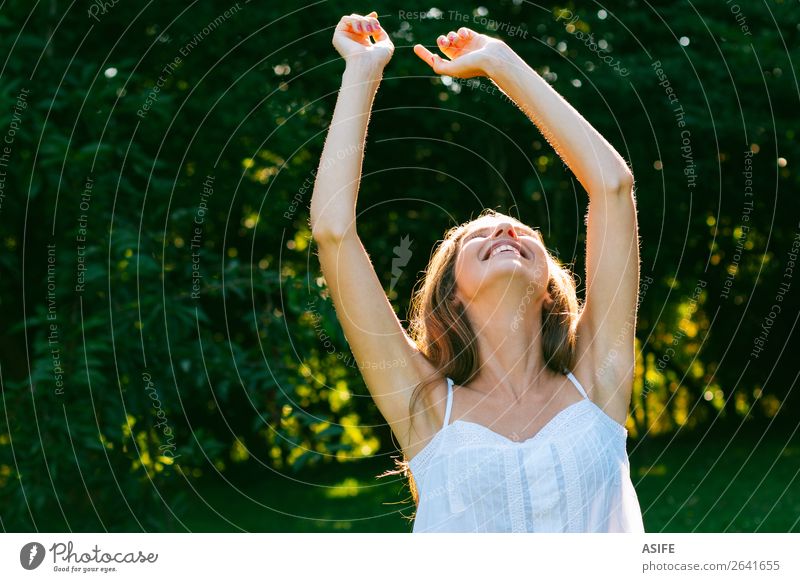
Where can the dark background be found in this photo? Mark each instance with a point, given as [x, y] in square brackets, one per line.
[241, 408]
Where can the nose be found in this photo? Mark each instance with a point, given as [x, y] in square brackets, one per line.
[505, 229]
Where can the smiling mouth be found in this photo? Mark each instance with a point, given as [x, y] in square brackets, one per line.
[503, 248]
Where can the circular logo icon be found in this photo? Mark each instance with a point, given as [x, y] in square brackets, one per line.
[31, 555]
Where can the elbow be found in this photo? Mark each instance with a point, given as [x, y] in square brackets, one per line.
[329, 223]
[322, 233]
[327, 234]
[324, 228]
[623, 184]
[620, 184]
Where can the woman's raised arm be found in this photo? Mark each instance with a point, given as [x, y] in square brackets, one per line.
[606, 328]
[333, 202]
[388, 359]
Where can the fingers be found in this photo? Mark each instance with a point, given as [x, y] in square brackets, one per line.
[424, 54]
[451, 46]
[455, 40]
[437, 63]
[363, 25]
[380, 34]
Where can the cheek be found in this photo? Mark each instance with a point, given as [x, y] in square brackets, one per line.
[541, 266]
[462, 271]
[539, 275]
[468, 273]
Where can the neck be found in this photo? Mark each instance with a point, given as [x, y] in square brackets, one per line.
[509, 332]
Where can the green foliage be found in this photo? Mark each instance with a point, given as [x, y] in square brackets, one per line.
[246, 363]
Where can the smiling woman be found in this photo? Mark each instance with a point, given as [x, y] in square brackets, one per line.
[463, 272]
[495, 321]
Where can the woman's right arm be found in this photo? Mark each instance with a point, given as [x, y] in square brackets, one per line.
[388, 359]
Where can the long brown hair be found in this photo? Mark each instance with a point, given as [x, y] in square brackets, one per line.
[440, 327]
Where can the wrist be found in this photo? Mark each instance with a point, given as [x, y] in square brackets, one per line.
[363, 69]
[500, 60]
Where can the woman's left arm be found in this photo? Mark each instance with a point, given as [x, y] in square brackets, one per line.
[596, 164]
[606, 328]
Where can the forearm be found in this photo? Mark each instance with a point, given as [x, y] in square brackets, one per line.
[337, 180]
[595, 162]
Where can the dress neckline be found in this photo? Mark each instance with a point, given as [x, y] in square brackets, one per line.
[571, 409]
[530, 438]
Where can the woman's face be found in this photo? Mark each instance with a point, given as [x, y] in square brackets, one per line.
[501, 253]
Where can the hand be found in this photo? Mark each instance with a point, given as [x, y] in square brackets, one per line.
[352, 40]
[471, 54]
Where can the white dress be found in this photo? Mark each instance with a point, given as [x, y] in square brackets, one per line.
[572, 476]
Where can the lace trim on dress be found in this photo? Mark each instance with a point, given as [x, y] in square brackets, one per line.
[514, 490]
[573, 493]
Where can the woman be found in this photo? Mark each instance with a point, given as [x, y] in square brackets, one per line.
[510, 399]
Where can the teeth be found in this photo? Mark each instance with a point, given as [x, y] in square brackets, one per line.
[503, 248]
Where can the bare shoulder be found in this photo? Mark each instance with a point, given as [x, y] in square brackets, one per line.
[427, 417]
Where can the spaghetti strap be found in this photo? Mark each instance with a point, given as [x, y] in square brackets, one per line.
[574, 380]
[449, 407]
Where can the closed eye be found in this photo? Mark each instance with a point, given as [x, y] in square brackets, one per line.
[521, 231]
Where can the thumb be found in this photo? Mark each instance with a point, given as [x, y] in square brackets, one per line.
[437, 63]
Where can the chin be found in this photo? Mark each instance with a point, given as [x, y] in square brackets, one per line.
[511, 279]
